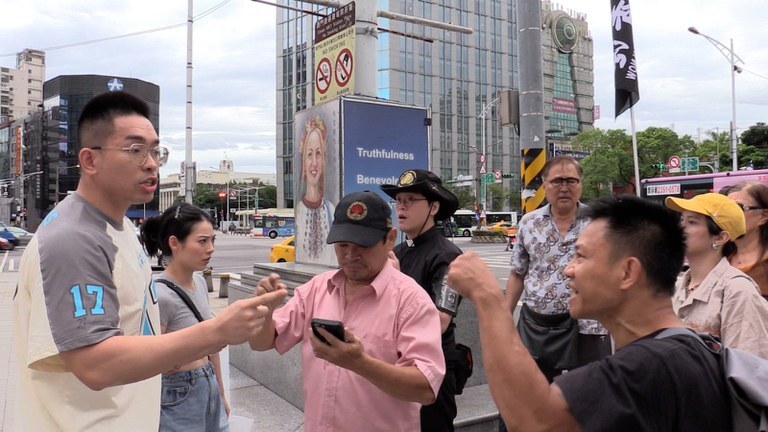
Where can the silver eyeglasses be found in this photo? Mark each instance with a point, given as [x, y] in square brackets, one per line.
[140, 152]
[567, 181]
[408, 202]
[745, 208]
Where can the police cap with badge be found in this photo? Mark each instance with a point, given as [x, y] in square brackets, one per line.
[428, 184]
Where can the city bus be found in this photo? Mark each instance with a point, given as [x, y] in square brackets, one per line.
[659, 188]
[464, 220]
[268, 222]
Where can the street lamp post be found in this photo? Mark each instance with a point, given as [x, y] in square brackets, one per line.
[476, 172]
[256, 188]
[732, 58]
[483, 160]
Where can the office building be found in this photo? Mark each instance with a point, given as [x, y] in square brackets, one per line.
[43, 147]
[456, 75]
[21, 89]
[567, 52]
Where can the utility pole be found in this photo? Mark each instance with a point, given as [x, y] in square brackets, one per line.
[733, 60]
[189, 167]
[532, 142]
[21, 177]
[486, 109]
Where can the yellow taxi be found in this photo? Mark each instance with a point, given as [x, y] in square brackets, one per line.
[283, 251]
[502, 227]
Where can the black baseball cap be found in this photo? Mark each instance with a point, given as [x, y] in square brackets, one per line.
[362, 218]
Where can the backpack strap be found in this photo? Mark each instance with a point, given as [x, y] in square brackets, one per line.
[180, 291]
[746, 379]
[706, 340]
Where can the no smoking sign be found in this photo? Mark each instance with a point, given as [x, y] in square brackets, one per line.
[323, 75]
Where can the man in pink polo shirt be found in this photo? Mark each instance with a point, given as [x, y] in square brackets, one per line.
[390, 361]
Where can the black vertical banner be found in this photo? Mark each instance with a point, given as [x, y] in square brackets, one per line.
[625, 66]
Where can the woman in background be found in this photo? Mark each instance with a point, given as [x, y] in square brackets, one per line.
[751, 255]
[193, 394]
[314, 213]
[713, 296]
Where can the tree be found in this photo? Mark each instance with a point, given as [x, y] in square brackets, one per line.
[756, 136]
[206, 196]
[608, 162]
[715, 147]
[268, 196]
[611, 161]
[464, 195]
[752, 157]
[499, 196]
[753, 150]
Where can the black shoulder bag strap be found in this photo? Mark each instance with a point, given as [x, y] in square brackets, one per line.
[184, 297]
[706, 340]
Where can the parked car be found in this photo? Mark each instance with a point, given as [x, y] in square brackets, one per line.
[283, 251]
[5, 244]
[23, 235]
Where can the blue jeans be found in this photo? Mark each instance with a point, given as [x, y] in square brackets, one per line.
[191, 400]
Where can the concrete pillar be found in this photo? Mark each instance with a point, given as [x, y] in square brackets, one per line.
[208, 275]
[366, 39]
[532, 140]
[224, 285]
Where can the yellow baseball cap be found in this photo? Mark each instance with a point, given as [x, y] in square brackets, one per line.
[723, 210]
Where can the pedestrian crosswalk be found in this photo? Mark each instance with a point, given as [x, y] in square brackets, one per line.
[496, 259]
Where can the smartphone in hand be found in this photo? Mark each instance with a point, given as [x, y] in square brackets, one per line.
[336, 328]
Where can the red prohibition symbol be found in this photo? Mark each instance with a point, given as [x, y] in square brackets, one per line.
[323, 76]
[344, 66]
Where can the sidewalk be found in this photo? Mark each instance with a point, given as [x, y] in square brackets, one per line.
[250, 402]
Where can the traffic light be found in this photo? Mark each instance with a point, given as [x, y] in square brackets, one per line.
[508, 175]
[660, 166]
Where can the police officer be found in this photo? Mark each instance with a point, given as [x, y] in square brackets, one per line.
[421, 200]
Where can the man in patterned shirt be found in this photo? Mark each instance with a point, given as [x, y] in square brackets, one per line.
[545, 245]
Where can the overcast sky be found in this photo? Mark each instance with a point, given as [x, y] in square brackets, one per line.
[684, 80]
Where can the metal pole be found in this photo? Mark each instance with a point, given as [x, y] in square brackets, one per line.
[189, 187]
[532, 139]
[732, 58]
[21, 176]
[227, 218]
[58, 189]
[634, 151]
[422, 21]
[484, 163]
[717, 157]
[734, 140]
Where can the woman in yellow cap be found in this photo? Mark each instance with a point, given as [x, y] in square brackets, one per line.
[751, 256]
[713, 296]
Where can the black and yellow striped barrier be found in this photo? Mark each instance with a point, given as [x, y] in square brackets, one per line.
[532, 162]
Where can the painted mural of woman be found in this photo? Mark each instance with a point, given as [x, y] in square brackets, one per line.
[314, 213]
